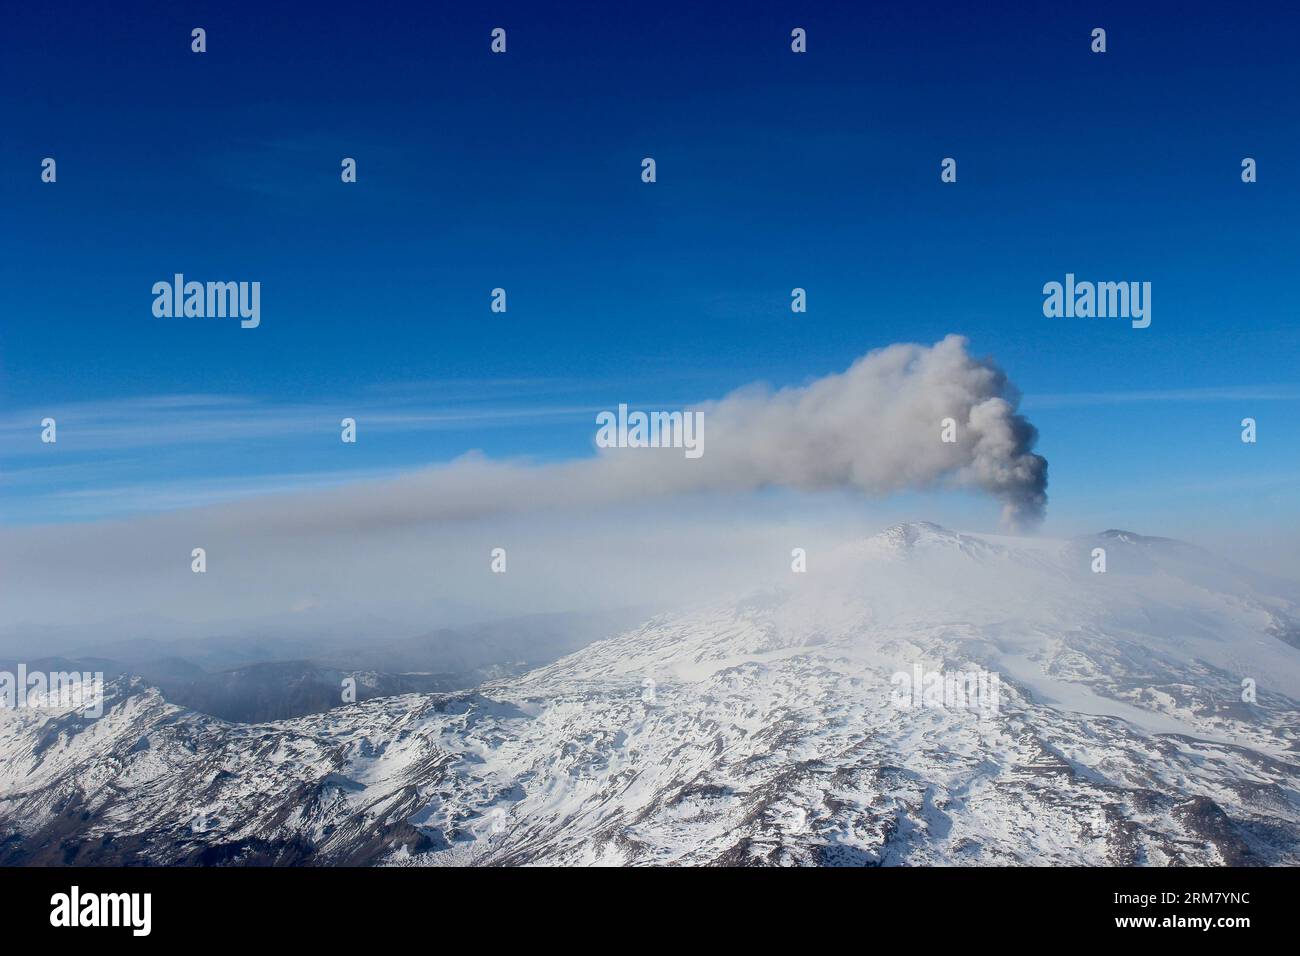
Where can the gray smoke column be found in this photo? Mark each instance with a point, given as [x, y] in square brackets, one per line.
[874, 428]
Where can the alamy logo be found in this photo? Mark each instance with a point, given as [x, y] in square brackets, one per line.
[209, 300]
[1102, 300]
[53, 690]
[947, 690]
[651, 430]
[103, 909]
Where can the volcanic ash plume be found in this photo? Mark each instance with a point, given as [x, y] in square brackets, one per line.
[877, 428]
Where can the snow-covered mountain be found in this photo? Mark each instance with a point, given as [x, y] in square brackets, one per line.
[765, 730]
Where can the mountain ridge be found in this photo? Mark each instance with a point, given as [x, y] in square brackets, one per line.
[762, 731]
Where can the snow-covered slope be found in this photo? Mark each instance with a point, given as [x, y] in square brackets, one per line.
[765, 730]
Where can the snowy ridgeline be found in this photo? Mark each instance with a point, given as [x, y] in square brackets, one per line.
[1144, 715]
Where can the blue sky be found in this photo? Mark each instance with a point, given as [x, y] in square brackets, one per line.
[523, 171]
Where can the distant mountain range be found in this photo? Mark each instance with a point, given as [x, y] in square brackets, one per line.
[256, 678]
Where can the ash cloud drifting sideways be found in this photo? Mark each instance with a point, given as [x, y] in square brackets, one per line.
[874, 429]
[409, 548]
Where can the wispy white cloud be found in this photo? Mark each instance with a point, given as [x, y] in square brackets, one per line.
[1258, 393]
[173, 420]
[119, 500]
